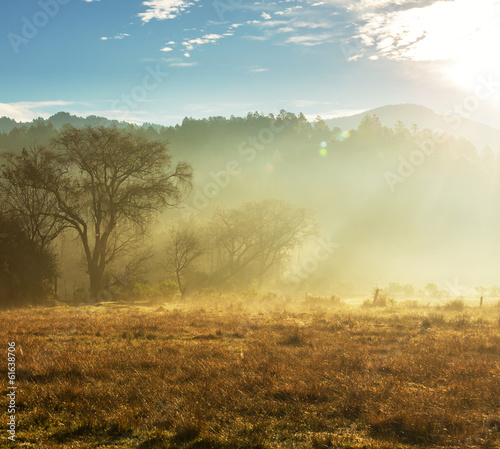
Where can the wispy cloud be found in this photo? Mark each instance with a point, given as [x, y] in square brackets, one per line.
[118, 36]
[373, 5]
[258, 70]
[305, 103]
[308, 26]
[183, 64]
[268, 23]
[206, 39]
[213, 108]
[256, 38]
[25, 111]
[309, 40]
[288, 11]
[335, 113]
[164, 9]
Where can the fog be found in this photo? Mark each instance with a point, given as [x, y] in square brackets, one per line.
[400, 206]
[389, 205]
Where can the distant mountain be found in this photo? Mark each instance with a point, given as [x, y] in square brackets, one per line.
[411, 114]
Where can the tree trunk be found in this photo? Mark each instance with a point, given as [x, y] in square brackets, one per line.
[179, 284]
[96, 276]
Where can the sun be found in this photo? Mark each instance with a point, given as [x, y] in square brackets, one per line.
[475, 53]
[462, 36]
[477, 60]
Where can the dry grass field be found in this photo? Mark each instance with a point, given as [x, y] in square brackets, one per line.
[229, 376]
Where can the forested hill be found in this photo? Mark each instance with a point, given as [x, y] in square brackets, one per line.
[59, 120]
[412, 115]
[393, 199]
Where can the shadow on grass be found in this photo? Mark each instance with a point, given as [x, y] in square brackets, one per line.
[84, 430]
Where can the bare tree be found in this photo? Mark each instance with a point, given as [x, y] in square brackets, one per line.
[106, 184]
[184, 247]
[34, 209]
[260, 235]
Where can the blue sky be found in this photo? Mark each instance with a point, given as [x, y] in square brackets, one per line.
[161, 60]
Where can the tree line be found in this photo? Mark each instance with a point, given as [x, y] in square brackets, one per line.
[64, 180]
[106, 186]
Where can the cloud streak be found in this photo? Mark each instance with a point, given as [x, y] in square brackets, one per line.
[183, 64]
[25, 111]
[309, 40]
[164, 9]
[189, 44]
[118, 36]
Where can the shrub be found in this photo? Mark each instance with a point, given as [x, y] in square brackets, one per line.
[333, 300]
[142, 290]
[336, 300]
[207, 292]
[455, 305]
[250, 293]
[168, 289]
[27, 270]
[380, 299]
[367, 303]
[411, 304]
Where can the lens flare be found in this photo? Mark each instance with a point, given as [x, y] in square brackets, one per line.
[270, 167]
[343, 136]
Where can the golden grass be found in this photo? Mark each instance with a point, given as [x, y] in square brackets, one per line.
[137, 377]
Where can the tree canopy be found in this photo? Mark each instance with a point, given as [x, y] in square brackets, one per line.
[106, 184]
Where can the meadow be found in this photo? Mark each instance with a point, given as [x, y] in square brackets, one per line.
[224, 374]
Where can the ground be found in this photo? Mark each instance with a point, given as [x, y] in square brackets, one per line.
[273, 375]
